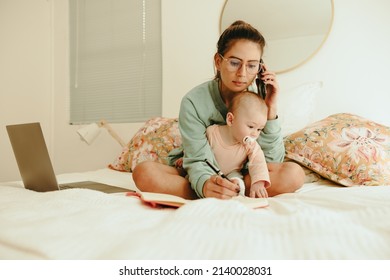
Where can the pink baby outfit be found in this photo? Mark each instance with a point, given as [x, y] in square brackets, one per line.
[231, 158]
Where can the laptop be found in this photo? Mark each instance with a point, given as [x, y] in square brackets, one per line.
[34, 162]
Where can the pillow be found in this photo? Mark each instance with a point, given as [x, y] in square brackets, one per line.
[297, 105]
[344, 148]
[153, 141]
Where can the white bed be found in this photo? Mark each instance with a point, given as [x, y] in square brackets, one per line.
[320, 221]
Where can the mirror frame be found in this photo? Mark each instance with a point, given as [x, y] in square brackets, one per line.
[306, 59]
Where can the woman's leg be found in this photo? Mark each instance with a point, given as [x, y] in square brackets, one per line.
[160, 178]
[286, 177]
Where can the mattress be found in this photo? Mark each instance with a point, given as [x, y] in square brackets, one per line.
[321, 221]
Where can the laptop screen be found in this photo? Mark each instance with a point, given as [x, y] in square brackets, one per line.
[32, 157]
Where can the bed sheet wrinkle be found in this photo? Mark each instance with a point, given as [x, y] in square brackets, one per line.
[347, 199]
[319, 221]
[71, 224]
[190, 233]
[225, 237]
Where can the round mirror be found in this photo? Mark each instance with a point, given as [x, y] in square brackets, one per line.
[294, 30]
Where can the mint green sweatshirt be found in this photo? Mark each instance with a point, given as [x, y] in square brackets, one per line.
[200, 108]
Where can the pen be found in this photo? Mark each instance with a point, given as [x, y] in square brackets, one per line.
[216, 170]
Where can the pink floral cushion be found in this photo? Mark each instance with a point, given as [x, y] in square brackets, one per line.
[344, 148]
[152, 142]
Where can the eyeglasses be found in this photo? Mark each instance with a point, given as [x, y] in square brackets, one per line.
[234, 64]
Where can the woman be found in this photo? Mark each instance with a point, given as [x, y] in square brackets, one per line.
[239, 51]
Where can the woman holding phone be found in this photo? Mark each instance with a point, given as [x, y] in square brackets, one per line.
[238, 64]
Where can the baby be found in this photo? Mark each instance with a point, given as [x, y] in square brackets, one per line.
[234, 144]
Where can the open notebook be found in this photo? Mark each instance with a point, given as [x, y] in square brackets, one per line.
[34, 162]
[161, 199]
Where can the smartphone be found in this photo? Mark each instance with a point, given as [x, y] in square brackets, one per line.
[261, 89]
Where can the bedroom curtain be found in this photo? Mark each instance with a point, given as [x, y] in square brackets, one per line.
[115, 60]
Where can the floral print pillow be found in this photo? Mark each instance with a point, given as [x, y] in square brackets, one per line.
[344, 148]
[153, 142]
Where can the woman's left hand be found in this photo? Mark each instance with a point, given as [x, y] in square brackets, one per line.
[272, 88]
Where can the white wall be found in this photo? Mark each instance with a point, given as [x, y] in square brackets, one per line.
[25, 71]
[353, 64]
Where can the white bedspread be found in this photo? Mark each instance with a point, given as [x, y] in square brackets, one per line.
[320, 221]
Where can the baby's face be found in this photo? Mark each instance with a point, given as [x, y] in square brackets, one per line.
[248, 122]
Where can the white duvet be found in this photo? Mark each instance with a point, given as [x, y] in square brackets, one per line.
[320, 221]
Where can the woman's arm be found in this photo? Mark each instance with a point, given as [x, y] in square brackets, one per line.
[195, 145]
[196, 114]
[271, 139]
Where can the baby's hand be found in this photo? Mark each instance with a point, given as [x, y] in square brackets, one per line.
[249, 144]
[179, 163]
[258, 190]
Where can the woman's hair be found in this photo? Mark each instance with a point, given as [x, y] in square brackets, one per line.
[238, 30]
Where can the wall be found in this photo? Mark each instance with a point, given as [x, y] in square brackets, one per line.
[25, 71]
[353, 65]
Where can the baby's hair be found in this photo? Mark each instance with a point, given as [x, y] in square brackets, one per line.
[242, 99]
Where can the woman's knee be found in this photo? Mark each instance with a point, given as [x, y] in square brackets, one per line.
[141, 172]
[295, 174]
[150, 173]
[286, 177]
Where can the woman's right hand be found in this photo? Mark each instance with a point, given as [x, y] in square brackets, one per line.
[219, 187]
[272, 85]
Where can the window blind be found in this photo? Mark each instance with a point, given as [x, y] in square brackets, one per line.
[115, 60]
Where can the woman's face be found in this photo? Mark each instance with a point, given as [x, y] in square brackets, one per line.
[248, 53]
